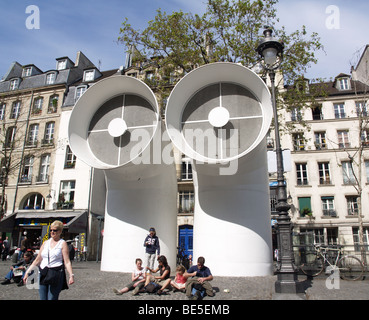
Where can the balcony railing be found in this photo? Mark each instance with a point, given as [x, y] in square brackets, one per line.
[330, 213]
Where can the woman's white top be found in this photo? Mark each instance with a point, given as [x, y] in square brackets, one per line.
[54, 255]
[136, 272]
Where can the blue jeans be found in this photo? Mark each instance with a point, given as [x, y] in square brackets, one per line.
[48, 292]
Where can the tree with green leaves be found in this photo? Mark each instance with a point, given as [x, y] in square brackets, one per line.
[229, 30]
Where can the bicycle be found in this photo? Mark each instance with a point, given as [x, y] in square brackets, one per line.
[349, 267]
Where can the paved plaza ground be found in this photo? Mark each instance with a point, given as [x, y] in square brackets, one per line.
[93, 284]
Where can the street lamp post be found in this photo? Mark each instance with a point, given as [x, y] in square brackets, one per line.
[271, 51]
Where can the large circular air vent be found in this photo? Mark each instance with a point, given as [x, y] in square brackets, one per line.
[111, 119]
[219, 112]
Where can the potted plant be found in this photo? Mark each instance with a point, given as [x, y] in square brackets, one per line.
[306, 212]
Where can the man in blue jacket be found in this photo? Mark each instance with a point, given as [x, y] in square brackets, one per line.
[152, 245]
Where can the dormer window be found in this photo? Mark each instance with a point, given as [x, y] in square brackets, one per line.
[302, 85]
[27, 71]
[344, 84]
[80, 91]
[50, 78]
[62, 64]
[89, 75]
[14, 84]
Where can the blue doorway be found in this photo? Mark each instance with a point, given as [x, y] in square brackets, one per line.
[185, 240]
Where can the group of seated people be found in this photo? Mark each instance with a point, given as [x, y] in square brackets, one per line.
[194, 282]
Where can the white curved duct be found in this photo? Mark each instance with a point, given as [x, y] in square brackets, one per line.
[116, 126]
[219, 115]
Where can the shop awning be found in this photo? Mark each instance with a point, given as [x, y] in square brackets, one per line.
[78, 220]
[7, 223]
[34, 214]
[78, 224]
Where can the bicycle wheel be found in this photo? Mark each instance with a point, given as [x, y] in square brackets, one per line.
[313, 266]
[350, 268]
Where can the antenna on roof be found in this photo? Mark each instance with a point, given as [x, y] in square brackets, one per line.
[99, 64]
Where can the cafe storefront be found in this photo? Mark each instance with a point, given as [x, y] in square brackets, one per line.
[35, 224]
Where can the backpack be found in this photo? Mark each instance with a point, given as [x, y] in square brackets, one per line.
[152, 287]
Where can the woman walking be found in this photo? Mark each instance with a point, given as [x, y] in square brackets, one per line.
[53, 256]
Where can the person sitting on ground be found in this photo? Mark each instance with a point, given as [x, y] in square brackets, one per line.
[164, 269]
[138, 278]
[21, 265]
[178, 283]
[198, 279]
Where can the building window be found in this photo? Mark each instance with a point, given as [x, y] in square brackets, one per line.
[53, 104]
[10, 137]
[324, 174]
[50, 78]
[34, 201]
[320, 142]
[339, 111]
[79, 92]
[343, 139]
[317, 113]
[352, 207]
[16, 108]
[62, 64]
[296, 114]
[328, 207]
[361, 109]
[344, 84]
[14, 84]
[89, 75]
[150, 78]
[348, 173]
[27, 72]
[186, 202]
[301, 173]
[49, 133]
[70, 159]
[317, 233]
[44, 168]
[32, 135]
[305, 206]
[355, 233]
[367, 170]
[186, 173]
[37, 105]
[66, 196]
[2, 111]
[27, 170]
[365, 138]
[298, 142]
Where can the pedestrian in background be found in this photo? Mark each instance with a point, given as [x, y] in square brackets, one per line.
[152, 245]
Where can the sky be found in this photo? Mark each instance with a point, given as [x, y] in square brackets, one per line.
[39, 31]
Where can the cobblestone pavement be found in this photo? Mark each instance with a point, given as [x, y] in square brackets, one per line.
[93, 284]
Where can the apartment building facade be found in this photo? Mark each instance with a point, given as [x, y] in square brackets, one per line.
[326, 167]
[31, 103]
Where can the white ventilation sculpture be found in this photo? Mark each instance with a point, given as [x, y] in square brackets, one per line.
[114, 126]
[219, 115]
